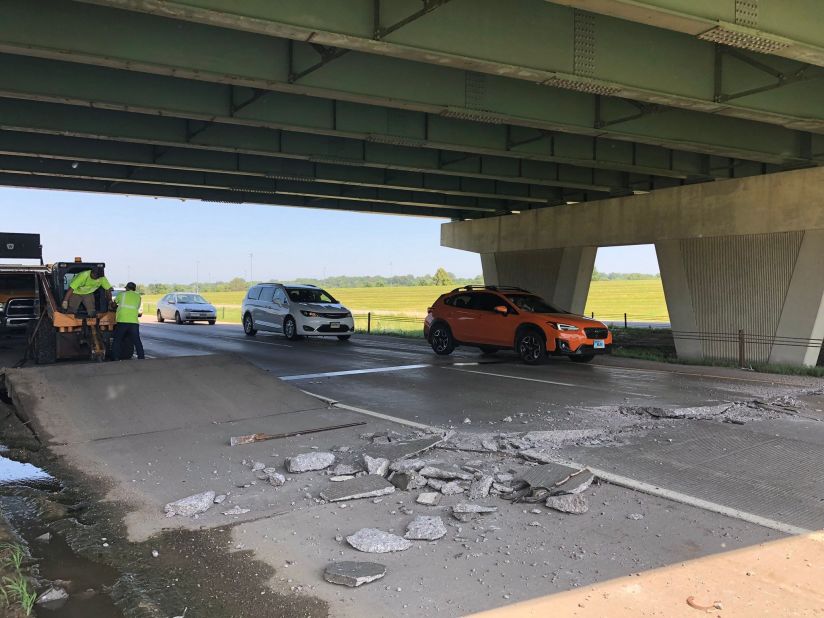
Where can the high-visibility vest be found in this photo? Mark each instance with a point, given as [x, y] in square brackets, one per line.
[128, 305]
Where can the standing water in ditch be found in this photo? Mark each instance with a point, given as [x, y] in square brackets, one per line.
[34, 520]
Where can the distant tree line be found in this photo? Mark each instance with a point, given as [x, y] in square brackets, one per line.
[597, 275]
[440, 277]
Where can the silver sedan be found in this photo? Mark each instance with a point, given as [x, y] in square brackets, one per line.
[184, 307]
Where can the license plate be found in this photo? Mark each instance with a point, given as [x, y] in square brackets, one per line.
[334, 324]
[598, 345]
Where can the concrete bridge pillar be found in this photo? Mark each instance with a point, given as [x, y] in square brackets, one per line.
[561, 276]
[771, 286]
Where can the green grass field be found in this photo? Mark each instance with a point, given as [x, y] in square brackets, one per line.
[401, 309]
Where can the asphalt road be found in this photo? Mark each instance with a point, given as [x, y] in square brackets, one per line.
[407, 378]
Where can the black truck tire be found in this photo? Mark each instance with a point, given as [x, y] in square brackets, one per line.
[44, 346]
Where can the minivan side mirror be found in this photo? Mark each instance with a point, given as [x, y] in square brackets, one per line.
[501, 309]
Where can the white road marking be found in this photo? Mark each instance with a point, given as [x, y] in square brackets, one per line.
[503, 375]
[351, 372]
[401, 421]
[676, 496]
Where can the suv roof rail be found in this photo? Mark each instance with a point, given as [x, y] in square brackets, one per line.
[469, 288]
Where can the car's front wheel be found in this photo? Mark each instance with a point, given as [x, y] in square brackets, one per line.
[159, 316]
[441, 340]
[531, 346]
[178, 319]
[211, 322]
[249, 326]
[584, 358]
[290, 328]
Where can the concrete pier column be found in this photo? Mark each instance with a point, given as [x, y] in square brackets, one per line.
[771, 286]
[561, 276]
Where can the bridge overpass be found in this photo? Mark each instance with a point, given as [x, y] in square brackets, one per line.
[521, 117]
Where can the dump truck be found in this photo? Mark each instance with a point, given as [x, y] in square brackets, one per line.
[31, 296]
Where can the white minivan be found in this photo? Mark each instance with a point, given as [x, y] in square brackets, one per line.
[295, 311]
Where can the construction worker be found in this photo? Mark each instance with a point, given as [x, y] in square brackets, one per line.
[82, 289]
[128, 325]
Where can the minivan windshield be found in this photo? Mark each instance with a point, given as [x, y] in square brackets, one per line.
[309, 295]
[191, 299]
[532, 303]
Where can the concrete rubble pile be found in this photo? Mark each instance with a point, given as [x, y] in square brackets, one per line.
[514, 473]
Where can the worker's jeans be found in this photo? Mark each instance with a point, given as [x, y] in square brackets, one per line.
[125, 332]
[87, 300]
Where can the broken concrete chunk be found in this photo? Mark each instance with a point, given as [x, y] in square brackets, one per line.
[554, 478]
[503, 477]
[480, 488]
[407, 465]
[353, 574]
[568, 503]
[445, 473]
[490, 445]
[425, 528]
[429, 498]
[54, 598]
[407, 481]
[275, 478]
[220, 498]
[342, 477]
[374, 541]
[307, 462]
[466, 507]
[191, 505]
[435, 483]
[257, 466]
[376, 465]
[236, 510]
[345, 469]
[504, 489]
[576, 483]
[368, 486]
[558, 438]
[538, 454]
[451, 489]
[399, 450]
[635, 516]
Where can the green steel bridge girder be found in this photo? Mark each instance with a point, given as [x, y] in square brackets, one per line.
[68, 182]
[549, 44]
[83, 33]
[489, 174]
[788, 29]
[43, 80]
[468, 193]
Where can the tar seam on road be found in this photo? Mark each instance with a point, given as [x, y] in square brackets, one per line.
[350, 372]
[610, 477]
[503, 375]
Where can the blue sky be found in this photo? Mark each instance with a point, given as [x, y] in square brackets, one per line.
[151, 240]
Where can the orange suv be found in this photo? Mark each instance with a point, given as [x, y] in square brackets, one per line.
[495, 318]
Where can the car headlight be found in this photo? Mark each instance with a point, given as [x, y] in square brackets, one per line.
[562, 326]
[310, 314]
[2, 306]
